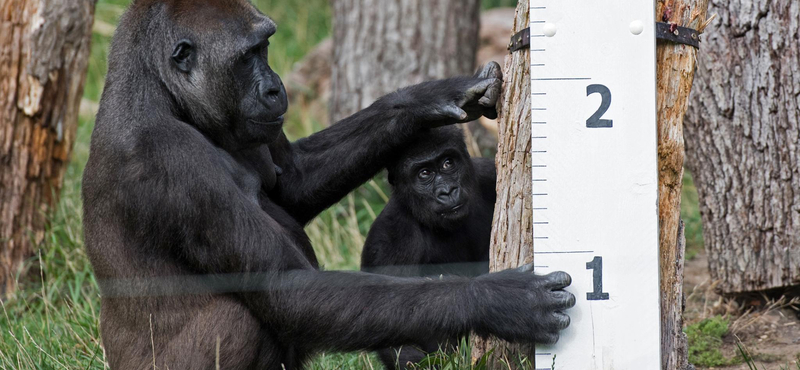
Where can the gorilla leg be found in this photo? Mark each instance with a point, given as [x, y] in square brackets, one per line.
[224, 323]
[228, 324]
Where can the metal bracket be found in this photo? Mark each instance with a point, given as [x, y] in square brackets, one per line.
[522, 40]
[664, 31]
[675, 33]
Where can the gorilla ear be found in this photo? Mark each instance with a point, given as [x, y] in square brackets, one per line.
[183, 55]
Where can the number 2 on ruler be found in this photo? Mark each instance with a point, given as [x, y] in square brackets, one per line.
[594, 121]
[596, 265]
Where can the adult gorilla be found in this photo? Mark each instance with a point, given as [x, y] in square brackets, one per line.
[196, 236]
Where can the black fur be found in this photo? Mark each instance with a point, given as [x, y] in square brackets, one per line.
[438, 221]
[198, 244]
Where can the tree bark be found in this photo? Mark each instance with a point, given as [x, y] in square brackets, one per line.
[512, 232]
[742, 144]
[674, 75]
[382, 45]
[44, 51]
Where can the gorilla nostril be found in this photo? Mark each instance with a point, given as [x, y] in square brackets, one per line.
[447, 195]
[274, 89]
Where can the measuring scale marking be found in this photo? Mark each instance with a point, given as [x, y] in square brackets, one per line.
[594, 179]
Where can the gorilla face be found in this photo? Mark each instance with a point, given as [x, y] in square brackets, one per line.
[263, 97]
[434, 179]
[230, 62]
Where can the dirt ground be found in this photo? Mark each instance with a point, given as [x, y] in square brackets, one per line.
[770, 332]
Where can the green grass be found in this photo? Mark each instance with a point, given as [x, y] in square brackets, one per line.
[751, 359]
[705, 342]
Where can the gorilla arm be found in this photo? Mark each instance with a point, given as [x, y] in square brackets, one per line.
[322, 168]
[214, 226]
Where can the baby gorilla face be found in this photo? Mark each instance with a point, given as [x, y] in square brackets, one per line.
[433, 179]
[438, 184]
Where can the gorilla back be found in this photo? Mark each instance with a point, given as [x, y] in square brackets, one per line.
[197, 239]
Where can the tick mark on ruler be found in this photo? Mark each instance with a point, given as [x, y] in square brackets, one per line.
[538, 151]
[539, 194]
[538, 50]
[537, 65]
[541, 237]
[541, 223]
[564, 252]
[536, 22]
[538, 94]
[539, 180]
[540, 209]
[538, 165]
[538, 7]
[539, 123]
[540, 137]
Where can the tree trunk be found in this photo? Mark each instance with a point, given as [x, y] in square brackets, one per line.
[44, 50]
[512, 232]
[743, 144]
[674, 75]
[382, 45]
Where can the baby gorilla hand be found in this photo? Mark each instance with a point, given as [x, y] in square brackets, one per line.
[519, 306]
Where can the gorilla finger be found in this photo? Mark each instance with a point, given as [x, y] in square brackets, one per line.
[490, 70]
[454, 112]
[561, 320]
[479, 89]
[525, 268]
[557, 280]
[492, 94]
[562, 299]
[547, 338]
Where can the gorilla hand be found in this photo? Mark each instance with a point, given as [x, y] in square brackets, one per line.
[453, 100]
[487, 99]
[517, 305]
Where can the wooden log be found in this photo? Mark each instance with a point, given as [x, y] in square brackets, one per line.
[675, 73]
[512, 231]
[44, 52]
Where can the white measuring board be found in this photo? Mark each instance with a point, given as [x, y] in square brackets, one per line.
[595, 212]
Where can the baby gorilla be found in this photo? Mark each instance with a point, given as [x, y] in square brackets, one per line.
[439, 220]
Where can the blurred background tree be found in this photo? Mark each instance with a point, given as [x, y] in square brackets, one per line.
[380, 46]
[743, 145]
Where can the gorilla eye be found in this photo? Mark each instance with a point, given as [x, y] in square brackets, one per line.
[448, 164]
[424, 174]
[182, 55]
